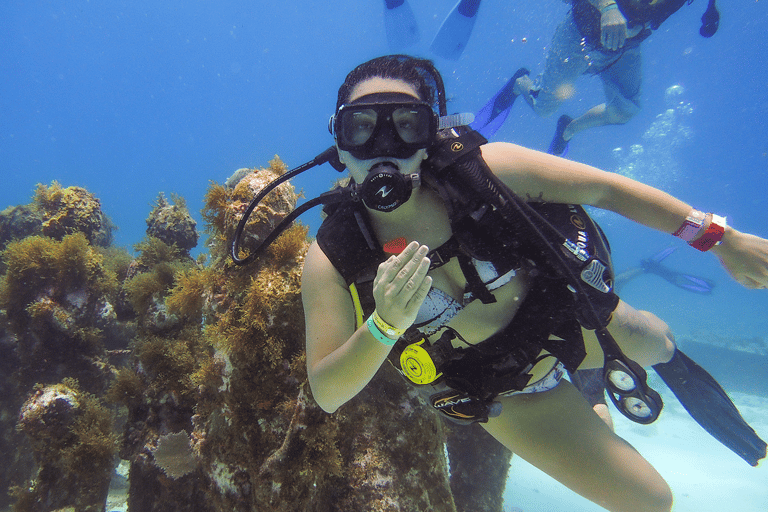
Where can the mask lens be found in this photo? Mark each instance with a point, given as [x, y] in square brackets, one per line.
[357, 126]
[637, 408]
[622, 381]
[412, 124]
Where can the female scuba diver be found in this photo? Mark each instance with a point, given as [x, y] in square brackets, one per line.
[463, 293]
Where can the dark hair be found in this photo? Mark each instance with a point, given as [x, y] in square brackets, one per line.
[420, 73]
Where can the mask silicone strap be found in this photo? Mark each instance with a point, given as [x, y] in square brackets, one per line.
[455, 120]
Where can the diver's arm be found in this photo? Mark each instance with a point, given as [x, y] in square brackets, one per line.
[613, 24]
[542, 177]
[538, 176]
[341, 358]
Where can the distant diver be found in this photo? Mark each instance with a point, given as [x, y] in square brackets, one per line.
[602, 38]
[652, 265]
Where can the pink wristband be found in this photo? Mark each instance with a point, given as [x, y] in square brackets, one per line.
[712, 236]
[692, 226]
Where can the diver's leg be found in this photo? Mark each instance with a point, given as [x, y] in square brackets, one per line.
[591, 385]
[565, 63]
[622, 82]
[558, 432]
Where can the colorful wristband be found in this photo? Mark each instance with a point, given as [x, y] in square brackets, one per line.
[692, 226]
[712, 236]
[374, 330]
[389, 330]
[608, 7]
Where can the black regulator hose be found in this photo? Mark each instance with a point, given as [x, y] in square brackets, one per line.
[329, 155]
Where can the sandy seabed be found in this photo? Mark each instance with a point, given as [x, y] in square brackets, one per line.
[703, 474]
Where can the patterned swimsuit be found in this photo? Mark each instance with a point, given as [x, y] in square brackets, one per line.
[439, 308]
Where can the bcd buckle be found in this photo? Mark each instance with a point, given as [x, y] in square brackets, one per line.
[463, 408]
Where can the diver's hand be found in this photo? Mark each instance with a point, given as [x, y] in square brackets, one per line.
[745, 257]
[613, 29]
[401, 285]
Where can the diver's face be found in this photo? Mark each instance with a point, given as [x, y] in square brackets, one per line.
[359, 168]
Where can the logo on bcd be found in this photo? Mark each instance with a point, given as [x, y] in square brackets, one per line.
[384, 191]
[578, 222]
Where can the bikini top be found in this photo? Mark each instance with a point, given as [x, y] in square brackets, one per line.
[439, 308]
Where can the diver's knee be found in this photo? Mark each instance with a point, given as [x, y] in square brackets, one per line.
[542, 101]
[658, 497]
[665, 346]
[621, 114]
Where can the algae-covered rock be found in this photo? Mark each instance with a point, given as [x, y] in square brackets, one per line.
[172, 223]
[17, 222]
[65, 211]
[226, 204]
[58, 298]
[58, 285]
[56, 212]
[74, 443]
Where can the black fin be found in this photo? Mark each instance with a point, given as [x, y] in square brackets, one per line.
[710, 406]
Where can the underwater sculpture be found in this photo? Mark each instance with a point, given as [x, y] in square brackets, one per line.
[207, 366]
[74, 444]
[59, 332]
[227, 387]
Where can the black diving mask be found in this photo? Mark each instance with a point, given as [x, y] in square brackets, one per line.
[389, 124]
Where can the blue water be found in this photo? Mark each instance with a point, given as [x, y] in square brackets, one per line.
[129, 99]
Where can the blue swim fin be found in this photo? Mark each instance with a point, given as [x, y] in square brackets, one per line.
[653, 265]
[559, 146]
[692, 283]
[400, 25]
[490, 118]
[662, 254]
[454, 33]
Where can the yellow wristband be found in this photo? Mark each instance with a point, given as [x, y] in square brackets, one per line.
[376, 332]
[389, 330]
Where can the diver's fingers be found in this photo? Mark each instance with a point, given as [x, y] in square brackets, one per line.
[621, 39]
[420, 294]
[408, 272]
[416, 279]
[383, 268]
[398, 278]
[388, 269]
